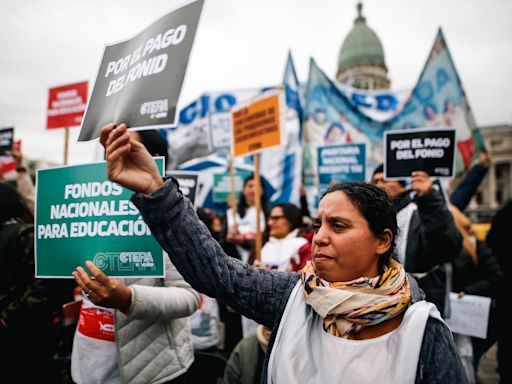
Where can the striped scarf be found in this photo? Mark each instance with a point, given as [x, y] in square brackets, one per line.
[346, 307]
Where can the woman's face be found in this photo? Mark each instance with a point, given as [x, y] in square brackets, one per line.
[249, 191]
[344, 247]
[278, 224]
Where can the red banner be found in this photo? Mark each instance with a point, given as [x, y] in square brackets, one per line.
[66, 105]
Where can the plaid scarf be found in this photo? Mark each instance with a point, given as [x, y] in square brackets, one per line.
[346, 307]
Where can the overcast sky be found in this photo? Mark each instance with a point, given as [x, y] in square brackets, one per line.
[243, 43]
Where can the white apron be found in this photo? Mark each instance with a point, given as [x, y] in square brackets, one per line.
[304, 353]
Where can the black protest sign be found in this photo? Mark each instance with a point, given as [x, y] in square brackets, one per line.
[6, 141]
[409, 150]
[139, 80]
[187, 182]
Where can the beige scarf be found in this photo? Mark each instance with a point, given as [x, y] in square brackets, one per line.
[346, 307]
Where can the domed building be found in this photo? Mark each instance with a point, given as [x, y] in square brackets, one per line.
[361, 62]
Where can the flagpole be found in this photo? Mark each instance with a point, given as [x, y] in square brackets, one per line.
[232, 183]
[66, 145]
[257, 194]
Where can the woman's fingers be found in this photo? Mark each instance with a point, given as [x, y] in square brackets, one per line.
[99, 276]
[83, 280]
[117, 137]
[118, 152]
[105, 132]
[79, 281]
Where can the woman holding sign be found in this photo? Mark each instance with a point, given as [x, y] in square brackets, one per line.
[242, 221]
[133, 330]
[352, 315]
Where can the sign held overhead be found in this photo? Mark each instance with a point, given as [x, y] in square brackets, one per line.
[139, 80]
[66, 105]
[258, 125]
[409, 150]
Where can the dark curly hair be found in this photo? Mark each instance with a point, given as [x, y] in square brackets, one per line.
[376, 208]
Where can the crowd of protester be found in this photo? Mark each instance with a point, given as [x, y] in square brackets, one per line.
[223, 313]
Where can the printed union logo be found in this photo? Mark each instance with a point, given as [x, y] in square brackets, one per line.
[124, 261]
[144, 259]
[155, 109]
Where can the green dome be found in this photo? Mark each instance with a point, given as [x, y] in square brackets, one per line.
[361, 46]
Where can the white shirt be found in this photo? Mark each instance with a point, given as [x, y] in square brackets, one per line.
[403, 220]
[277, 253]
[246, 226]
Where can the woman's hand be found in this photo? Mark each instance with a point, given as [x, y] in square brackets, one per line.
[233, 236]
[102, 290]
[128, 162]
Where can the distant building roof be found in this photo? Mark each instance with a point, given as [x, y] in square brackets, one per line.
[362, 46]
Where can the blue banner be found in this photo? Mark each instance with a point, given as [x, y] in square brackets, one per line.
[437, 100]
[281, 167]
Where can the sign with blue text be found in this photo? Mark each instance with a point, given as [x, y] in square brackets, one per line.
[81, 215]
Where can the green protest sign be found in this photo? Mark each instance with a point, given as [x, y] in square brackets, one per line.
[81, 215]
[222, 185]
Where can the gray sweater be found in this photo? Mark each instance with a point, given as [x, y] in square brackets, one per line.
[256, 293]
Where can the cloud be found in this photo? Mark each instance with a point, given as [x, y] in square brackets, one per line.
[242, 43]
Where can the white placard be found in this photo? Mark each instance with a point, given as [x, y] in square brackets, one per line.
[469, 315]
[220, 130]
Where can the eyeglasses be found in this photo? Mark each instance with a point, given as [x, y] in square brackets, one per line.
[275, 218]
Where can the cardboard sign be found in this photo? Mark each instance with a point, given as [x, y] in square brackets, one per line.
[81, 215]
[343, 163]
[66, 105]
[6, 141]
[257, 125]
[187, 182]
[409, 150]
[139, 80]
[219, 131]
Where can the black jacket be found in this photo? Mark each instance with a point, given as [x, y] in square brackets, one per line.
[481, 279]
[432, 240]
[257, 293]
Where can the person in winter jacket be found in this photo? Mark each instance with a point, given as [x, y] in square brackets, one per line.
[352, 315]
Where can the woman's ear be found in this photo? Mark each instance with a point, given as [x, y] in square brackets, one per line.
[384, 241]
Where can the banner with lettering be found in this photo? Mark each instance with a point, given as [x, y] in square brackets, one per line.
[6, 141]
[341, 163]
[81, 215]
[66, 105]
[281, 166]
[429, 150]
[139, 80]
[437, 100]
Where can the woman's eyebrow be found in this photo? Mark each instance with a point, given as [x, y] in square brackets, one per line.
[339, 218]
